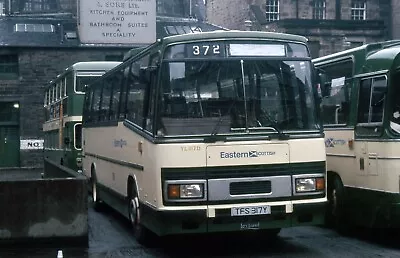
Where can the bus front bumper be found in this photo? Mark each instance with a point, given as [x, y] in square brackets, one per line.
[174, 222]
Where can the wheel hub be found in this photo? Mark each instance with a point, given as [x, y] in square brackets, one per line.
[94, 191]
[334, 201]
[134, 214]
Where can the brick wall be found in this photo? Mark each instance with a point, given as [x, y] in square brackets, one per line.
[230, 14]
[396, 19]
[69, 6]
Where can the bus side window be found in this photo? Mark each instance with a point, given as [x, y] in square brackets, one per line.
[124, 93]
[370, 105]
[135, 98]
[337, 81]
[87, 104]
[371, 100]
[95, 107]
[334, 106]
[116, 81]
[151, 92]
[104, 111]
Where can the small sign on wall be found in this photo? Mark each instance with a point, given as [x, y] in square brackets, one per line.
[117, 21]
[31, 144]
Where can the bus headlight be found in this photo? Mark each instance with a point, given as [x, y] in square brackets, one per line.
[185, 190]
[79, 162]
[309, 184]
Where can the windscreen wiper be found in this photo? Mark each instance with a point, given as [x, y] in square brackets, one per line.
[213, 136]
[275, 125]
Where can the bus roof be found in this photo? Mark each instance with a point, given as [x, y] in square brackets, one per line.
[220, 34]
[93, 65]
[233, 34]
[87, 66]
[367, 58]
[366, 50]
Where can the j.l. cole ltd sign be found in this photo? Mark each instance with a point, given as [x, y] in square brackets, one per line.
[117, 21]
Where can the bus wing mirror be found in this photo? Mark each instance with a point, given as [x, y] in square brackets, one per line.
[135, 69]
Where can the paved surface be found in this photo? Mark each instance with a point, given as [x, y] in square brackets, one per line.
[109, 236]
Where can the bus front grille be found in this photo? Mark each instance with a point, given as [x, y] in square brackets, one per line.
[258, 187]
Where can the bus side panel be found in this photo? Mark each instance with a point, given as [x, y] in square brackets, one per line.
[370, 174]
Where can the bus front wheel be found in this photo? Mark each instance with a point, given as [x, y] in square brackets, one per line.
[141, 233]
[335, 202]
[95, 197]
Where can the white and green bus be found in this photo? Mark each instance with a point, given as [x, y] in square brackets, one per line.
[360, 111]
[63, 106]
[208, 132]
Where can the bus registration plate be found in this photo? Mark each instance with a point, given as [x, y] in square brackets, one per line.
[251, 210]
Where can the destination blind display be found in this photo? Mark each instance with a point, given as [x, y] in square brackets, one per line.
[218, 49]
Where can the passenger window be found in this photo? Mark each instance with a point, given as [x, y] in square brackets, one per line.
[135, 100]
[151, 95]
[116, 92]
[105, 100]
[87, 104]
[124, 89]
[371, 105]
[335, 105]
[136, 93]
[364, 101]
[95, 109]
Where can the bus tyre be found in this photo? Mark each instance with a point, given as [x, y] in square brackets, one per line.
[335, 203]
[141, 233]
[271, 233]
[95, 197]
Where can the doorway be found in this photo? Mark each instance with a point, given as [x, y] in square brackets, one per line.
[9, 134]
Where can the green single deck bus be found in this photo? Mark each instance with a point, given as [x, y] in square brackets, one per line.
[360, 109]
[208, 132]
[63, 105]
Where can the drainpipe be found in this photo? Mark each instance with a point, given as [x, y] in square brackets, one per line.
[190, 8]
[338, 9]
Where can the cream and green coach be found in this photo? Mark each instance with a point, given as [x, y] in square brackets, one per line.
[209, 132]
[360, 110]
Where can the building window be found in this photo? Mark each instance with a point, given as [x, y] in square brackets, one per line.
[272, 10]
[358, 10]
[24, 27]
[2, 9]
[175, 8]
[319, 10]
[8, 66]
[34, 6]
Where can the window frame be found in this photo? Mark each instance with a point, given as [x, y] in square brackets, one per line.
[9, 61]
[272, 10]
[348, 82]
[319, 8]
[371, 126]
[358, 10]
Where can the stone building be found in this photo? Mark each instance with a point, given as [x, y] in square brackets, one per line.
[330, 26]
[38, 40]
